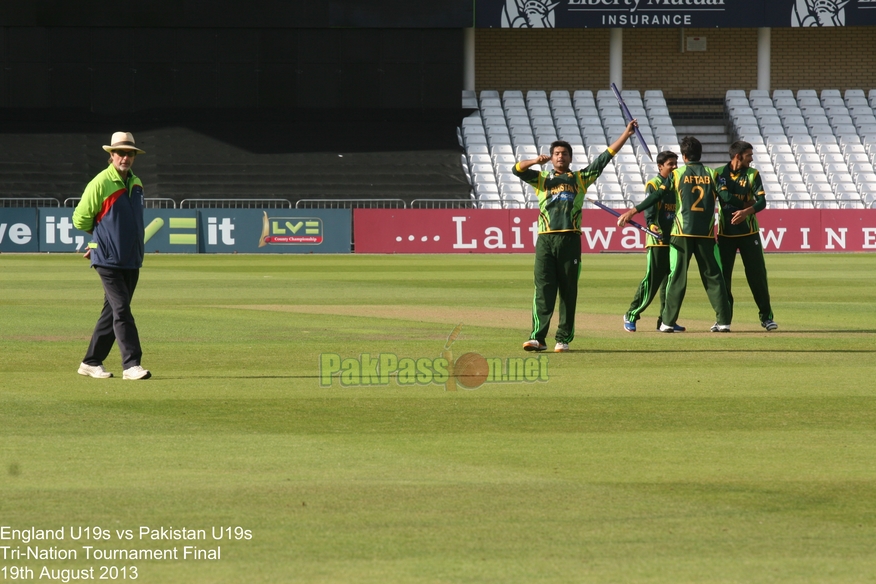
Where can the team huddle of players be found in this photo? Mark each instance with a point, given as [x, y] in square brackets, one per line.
[680, 206]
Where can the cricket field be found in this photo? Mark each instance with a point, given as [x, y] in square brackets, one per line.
[373, 419]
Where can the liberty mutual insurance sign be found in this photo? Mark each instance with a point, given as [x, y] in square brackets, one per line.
[673, 13]
[621, 13]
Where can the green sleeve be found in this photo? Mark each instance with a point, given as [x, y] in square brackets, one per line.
[88, 207]
[721, 179]
[528, 176]
[720, 188]
[757, 192]
[595, 168]
[652, 198]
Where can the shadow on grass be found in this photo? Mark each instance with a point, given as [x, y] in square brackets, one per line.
[190, 377]
[776, 351]
[800, 332]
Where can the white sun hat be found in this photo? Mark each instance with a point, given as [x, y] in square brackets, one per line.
[122, 141]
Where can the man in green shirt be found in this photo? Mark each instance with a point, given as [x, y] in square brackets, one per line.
[659, 208]
[561, 194]
[693, 234]
[738, 228]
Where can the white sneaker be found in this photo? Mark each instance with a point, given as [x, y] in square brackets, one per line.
[136, 372]
[534, 345]
[666, 328]
[96, 371]
[561, 348]
[720, 328]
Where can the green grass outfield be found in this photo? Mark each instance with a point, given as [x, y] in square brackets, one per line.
[694, 457]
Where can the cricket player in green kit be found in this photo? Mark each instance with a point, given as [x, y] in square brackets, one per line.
[738, 228]
[659, 208]
[561, 194]
[693, 234]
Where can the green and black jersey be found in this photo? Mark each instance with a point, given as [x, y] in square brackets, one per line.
[745, 189]
[561, 196]
[696, 188]
[659, 208]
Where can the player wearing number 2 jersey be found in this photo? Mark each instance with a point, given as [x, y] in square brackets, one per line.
[693, 234]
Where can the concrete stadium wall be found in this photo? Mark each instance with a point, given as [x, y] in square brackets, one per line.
[842, 58]
[838, 58]
[235, 14]
[541, 59]
[122, 70]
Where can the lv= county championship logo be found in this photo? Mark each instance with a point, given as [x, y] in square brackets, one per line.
[291, 231]
[468, 371]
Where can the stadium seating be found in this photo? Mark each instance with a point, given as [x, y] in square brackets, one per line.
[242, 157]
[517, 125]
[813, 149]
[830, 135]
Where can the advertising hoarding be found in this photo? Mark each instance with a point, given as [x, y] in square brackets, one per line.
[171, 230]
[56, 231]
[18, 230]
[515, 231]
[189, 231]
[673, 13]
[408, 231]
[274, 230]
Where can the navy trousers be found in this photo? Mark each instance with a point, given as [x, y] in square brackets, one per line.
[116, 323]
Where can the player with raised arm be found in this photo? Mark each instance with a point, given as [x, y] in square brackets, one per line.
[561, 193]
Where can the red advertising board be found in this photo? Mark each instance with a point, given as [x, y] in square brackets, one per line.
[515, 231]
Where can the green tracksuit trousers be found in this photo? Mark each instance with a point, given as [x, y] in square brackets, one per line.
[751, 252]
[653, 282]
[557, 268]
[709, 263]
